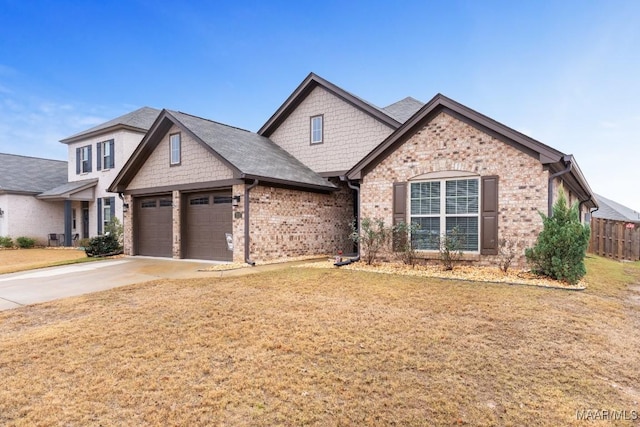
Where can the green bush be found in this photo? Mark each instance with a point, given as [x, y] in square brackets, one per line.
[6, 242]
[25, 242]
[562, 245]
[104, 245]
[114, 227]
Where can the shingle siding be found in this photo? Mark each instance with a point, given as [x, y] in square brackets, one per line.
[349, 134]
[197, 165]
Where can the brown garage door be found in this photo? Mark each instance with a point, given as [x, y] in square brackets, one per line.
[153, 226]
[207, 221]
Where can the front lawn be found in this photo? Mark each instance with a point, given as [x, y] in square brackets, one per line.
[13, 260]
[326, 347]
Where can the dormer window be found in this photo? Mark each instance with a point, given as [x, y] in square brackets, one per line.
[317, 129]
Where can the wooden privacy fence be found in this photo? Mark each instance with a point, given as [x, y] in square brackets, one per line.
[615, 239]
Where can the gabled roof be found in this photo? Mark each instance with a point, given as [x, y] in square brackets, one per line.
[247, 154]
[403, 109]
[304, 89]
[615, 211]
[30, 175]
[69, 189]
[548, 156]
[139, 120]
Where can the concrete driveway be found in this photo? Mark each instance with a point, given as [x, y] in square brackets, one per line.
[47, 284]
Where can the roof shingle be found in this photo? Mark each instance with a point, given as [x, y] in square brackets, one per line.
[140, 119]
[22, 174]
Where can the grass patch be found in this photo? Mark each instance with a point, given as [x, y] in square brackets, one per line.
[324, 347]
[14, 260]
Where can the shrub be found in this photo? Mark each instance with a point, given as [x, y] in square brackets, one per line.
[450, 248]
[404, 239]
[6, 242]
[562, 245]
[25, 242]
[114, 227]
[104, 245]
[508, 250]
[371, 237]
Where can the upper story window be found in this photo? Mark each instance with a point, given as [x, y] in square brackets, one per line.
[317, 129]
[175, 149]
[83, 159]
[439, 206]
[106, 155]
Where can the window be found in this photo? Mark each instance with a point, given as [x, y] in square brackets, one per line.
[218, 200]
[439, 206]
[106, 209]
[317, 129]
[164, 203]
[199, 201]
[175, 149]
[148, 204]
[84, 159]
[73, 218]
[106, 155]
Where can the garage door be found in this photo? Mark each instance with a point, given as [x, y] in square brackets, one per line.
[208, 220]
[154, 226]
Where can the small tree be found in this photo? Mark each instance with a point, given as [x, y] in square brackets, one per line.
[371, 237]
[404, 242]
[562, 245]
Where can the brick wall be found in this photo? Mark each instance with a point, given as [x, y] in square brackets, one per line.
[447, 144]
[289, 223]
[349, 134]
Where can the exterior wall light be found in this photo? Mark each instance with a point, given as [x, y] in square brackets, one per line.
[1, 212]
[235, 201]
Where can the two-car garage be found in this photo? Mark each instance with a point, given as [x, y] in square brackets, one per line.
[206, 220]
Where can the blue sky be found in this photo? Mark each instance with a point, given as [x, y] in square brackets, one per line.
[566, 73]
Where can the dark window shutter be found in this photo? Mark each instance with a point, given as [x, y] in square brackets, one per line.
[489, 216]
[399, 211]
[89, 159]
[99, 216]
[78, 165]
[98, 159]
[112, 205]
[112, 156]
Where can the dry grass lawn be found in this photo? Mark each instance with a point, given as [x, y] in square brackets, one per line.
[12, 260]
[326, 347]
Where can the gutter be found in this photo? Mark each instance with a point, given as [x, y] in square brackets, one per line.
[247, 259]
[567, 160]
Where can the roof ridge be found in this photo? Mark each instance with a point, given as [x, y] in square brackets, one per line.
[33, 157]
[211, 120]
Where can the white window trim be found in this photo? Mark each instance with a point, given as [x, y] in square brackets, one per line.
[84, 159]
[171, 149]
[443, 178]
[312, 120]
[106, 211]
[105, 145]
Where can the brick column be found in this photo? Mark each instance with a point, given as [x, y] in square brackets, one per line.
[177, 224]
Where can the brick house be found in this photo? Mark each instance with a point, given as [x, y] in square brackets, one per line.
[195, 188]
[450, 166]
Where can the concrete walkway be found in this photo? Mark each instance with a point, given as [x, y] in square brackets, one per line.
[48, 284]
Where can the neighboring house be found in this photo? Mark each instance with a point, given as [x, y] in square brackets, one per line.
[95, 158]
[22, 212]
[608, 209]
[199, 189]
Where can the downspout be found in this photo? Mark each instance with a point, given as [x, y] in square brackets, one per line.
[121, 196]
[246, 222]
[357, 201]
[566, 159]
